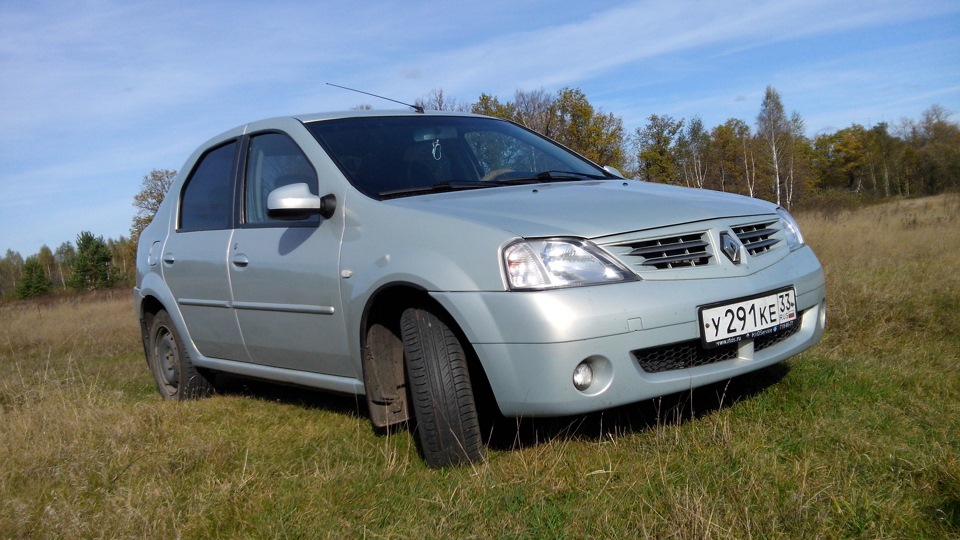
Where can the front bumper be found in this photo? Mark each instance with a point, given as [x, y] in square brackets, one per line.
[530, 342]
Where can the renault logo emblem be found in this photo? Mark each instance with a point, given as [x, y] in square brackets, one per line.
[730, 247]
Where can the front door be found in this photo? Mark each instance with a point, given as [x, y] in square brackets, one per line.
[285, 274]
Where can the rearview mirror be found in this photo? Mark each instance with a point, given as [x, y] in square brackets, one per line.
[434, 133]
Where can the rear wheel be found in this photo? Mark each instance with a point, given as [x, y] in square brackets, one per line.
[443, 402]
[173, 371]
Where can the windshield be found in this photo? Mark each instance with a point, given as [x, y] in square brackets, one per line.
[393, 156]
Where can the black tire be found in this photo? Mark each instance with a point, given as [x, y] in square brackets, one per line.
[443, 404]
[176, 377]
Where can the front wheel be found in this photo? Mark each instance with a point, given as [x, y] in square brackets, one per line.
[443, 402]
[176, 377]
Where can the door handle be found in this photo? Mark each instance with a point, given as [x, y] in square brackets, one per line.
[240, 260]
[169, 259]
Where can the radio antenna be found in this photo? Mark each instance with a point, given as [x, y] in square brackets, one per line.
[417, 108]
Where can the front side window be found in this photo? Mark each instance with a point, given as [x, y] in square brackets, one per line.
[206, 202]
[274, 160]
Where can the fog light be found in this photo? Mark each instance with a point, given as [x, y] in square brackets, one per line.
[582, 376]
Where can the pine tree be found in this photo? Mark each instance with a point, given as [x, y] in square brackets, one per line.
[34, 281]
[91, 268]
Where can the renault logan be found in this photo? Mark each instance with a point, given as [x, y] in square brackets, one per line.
[405, 256]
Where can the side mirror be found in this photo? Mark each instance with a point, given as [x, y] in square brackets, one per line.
[296, 202]
[613, 171]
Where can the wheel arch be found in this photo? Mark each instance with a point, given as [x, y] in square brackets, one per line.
[381, 345]
[149, 307]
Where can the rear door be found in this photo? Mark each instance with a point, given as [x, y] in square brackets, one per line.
[194, 256]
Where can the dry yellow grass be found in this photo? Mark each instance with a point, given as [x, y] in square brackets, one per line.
[893, 272]
[92, 325]
[857, 438]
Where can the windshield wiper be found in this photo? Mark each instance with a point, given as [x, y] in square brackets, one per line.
[458, 185]
[439, 187]
[568, 175]
[551, 176]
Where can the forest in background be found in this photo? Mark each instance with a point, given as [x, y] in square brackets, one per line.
[771, 158]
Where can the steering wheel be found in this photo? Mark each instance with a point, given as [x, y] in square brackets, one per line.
[496, 173]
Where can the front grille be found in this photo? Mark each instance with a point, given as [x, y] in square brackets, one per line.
[679, 251]
[770, 340]
[688, 354]
[757, 238]
[682, 355]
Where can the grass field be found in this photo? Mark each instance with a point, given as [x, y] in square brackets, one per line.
[859, 437]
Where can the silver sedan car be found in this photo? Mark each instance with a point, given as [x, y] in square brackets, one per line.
[406, 257]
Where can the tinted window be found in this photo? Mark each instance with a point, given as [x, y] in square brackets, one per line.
[207, 199]
[380, 155]
[499, 151]
[273, 161]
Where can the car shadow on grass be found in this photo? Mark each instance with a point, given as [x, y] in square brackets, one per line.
[233, 385]
[673, 409]
[503, 433]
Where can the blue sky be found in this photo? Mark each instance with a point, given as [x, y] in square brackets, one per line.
[95, 94]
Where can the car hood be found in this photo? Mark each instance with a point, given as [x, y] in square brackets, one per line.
[589, 209]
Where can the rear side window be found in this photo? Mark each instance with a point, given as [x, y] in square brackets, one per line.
[274, 160]
[206, 202]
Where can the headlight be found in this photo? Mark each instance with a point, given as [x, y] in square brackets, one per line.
[790, 229]
[559, 262]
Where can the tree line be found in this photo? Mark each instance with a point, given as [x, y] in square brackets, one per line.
[91, 263]
[778, 162]
[770, 158]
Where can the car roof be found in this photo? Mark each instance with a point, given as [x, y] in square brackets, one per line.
[314, 117]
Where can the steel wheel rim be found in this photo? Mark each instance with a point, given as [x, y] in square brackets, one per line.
[167, 357]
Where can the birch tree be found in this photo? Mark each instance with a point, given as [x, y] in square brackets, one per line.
[692, 144]
[64, 257]
[796, 158]
[437, 100]
[537, 110]
[773, 128]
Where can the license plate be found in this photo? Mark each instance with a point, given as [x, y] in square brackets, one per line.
[732, 321]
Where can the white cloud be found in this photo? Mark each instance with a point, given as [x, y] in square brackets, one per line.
[99, 92]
